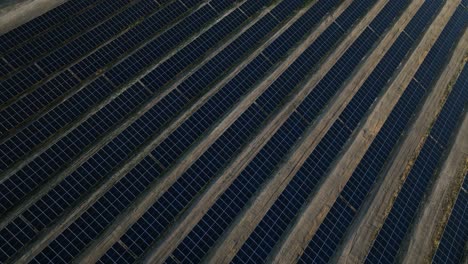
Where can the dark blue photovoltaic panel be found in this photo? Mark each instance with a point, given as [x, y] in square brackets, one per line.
[190, 183]
[39, 25]
[148, 54]
[41, 45]
[340, 216]
[101, 100]
[455, 235]
[148, 32]
[172, 147]
[105, 119]
[366, 172]
[36, 102]
[280, 216]
[132, 137]
[251, 7]
[16, 236]
[297, 31]
[80, 181]
[195, 246]
[66, 112]
[228, 206]
[100, 35]
[273, 97]
[387, 243]
[220, 5]
[413, 28]
[330, 232]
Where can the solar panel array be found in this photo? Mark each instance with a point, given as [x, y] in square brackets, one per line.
[155, 130]
[451, 246]
[352, 196]
[282, 213]
[393, 231]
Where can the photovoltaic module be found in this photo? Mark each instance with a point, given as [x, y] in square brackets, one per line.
[222, 131]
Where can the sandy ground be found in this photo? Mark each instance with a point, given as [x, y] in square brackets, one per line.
[14, 13]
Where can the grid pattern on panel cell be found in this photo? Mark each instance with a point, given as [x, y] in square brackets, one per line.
[327, 237]
[144, 35]
[26, 55]
[133, 17]
[58, 117]
[387, 243]
[182, 191]
[56, 64]
[57, 56]
[118, 147]
[86, 87]
[191, 182]
[202, 237]
[171, 148]
[269, 230]
[122, 106]
[51, 204]
[41, 24]
[179, 195]
[110, 110]
[147, 36]
[340, 216]
[49, 22]
[455, 235]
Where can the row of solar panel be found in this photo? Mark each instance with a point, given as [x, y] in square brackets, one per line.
[452, 244]
[43, 23]
[102, 162]
[81, 146]
[119, 51]
[116, 111]
[120, 245]
[379, 151]
[397, 223]
[57, 66]
[280, 13]
[37, 48]
[104, 111]
[230, 204]
[178, 196]
[246, 77]
[331, 231]
[287, 206]
[289, 79]
[95, 63]
[259, 4]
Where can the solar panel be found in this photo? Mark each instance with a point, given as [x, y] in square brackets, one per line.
[56, 65]
[58, 115]
[339, 218]
[85, 180]
[230, 203]
[27, 56]
[90, 130]
[387, 243]
[282, 213]
[454, 237]
[228, 97]
[123, 121]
